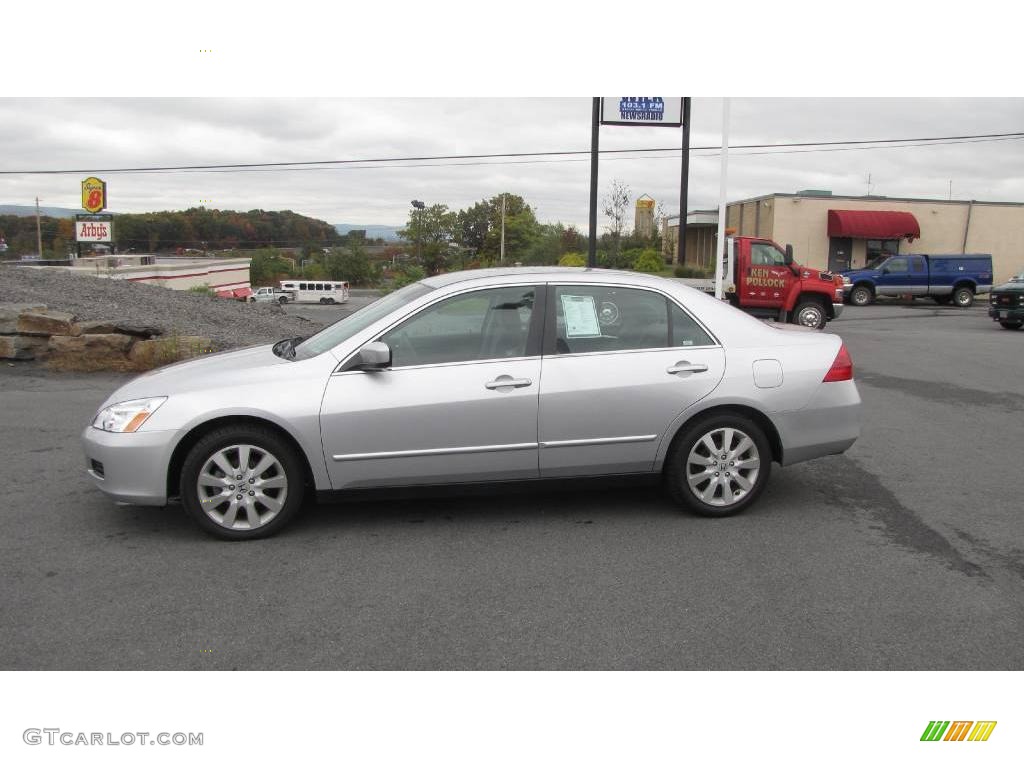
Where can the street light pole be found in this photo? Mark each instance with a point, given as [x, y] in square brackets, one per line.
[501, 258]
[39, 231]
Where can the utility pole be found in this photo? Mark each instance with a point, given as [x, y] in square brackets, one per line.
[39, 231]
[501, 258]
[720, 241]
[684, 183]
[595, 129]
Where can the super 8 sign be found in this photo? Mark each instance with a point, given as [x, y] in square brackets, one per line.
[94, 194]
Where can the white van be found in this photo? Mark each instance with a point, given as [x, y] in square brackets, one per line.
[322, 291]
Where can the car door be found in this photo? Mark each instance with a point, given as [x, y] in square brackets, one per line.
[620, 363]
[458, 402]
[765, 282]
[893, 277]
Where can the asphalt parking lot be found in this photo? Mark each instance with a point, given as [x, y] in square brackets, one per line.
[905, 553]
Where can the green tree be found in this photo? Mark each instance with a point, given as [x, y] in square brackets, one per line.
[615, 205]
[430, 230]
[352, 264]
[649, 260]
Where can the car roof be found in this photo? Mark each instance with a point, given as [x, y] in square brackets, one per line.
[545, 273]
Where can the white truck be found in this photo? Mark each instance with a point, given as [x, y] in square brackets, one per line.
[279, 295]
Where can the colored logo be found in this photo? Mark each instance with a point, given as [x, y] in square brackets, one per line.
[641, 108]
[958, 730]
[94, 194]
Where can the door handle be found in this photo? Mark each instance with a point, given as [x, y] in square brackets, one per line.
[684, 366]
[507, 381]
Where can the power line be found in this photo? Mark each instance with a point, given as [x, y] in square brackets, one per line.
[298, 165]
[703, 153]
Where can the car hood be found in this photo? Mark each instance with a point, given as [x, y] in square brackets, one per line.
[217, 370]
[857, 274]
[1014, 286]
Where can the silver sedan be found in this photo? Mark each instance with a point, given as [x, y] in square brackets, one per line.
[486, 376]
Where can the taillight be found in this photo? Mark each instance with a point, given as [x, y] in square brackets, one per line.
[842, 367]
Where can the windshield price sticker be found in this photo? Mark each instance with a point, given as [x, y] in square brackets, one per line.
[580, 317]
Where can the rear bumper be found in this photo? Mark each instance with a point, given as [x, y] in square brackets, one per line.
[829, 424]
[129, 468]
[837, 310]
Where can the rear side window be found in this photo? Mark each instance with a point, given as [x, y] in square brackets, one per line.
[684, 330]
[614, 319]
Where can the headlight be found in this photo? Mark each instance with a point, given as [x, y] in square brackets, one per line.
[847, 281]
[127, 416]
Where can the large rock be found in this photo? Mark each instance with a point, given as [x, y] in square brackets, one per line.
[9, 315]
[45, 323]
[90, 352]
[22, 347]
[156, 352]
[108, 326]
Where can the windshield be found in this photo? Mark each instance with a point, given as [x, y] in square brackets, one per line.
[334, 334]
[1018, 278]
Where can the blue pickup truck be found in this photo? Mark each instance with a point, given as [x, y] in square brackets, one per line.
[957, 278]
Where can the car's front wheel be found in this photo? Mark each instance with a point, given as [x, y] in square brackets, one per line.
[1011, 325]
[242, 482]
[861, 296]
[719, 465]
[810, 314]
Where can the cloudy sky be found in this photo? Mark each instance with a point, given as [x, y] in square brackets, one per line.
[54, 134]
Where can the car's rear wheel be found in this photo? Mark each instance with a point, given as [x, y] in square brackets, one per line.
[861, 296]
[242, 482]
[963, 297]
[719, 465]
[810, 314]
[1011, 325]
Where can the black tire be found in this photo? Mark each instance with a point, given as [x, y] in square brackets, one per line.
[330, 300]
[1011, 325]
[263, 439]
[283, 300]
[677, 465]
[861, 296]
[810, 314]
[963, 297]
[323, 300]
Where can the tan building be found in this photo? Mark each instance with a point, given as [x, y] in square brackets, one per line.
[643, 220]
[839, 232]
[701, 233]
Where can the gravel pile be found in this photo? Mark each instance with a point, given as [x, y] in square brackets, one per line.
[226, 322]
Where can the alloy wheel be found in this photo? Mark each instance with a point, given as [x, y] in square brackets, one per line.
[242, 487]
[723, 466]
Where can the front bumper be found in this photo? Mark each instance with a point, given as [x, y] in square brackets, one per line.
[129, 468]
[1006, 313]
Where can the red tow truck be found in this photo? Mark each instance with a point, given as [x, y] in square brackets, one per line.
[761, 278]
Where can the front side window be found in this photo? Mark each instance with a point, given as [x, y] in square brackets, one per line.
[592, 318]
[896, 265]
[766, 255]
[348, 326]
[489, 324]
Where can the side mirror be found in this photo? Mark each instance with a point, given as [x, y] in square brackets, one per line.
[372, 356]
[789, 254]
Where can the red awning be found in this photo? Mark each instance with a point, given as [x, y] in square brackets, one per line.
[225, 295]
[241, 293]
[873, 225]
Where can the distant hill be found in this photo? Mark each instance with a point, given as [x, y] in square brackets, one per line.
[30, 210]
[373, 231]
